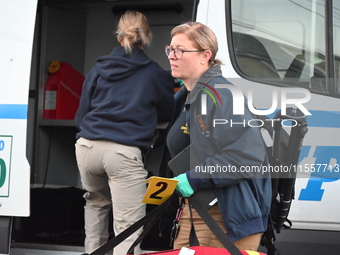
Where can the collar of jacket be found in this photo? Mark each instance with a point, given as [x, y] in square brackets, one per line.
[204, 79]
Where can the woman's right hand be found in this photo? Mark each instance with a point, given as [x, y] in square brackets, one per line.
[183, 185]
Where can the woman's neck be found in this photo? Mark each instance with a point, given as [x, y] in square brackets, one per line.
[191, 82]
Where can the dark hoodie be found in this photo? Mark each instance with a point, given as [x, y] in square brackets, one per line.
[123, 98]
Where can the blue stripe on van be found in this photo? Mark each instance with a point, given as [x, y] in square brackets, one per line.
[324, 119]
[13, 111]
[330, 119]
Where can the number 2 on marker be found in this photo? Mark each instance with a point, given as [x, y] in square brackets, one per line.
[163, 185]
[159, 190]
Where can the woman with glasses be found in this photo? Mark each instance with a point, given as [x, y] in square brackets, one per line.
[124, 96]
[243, 198]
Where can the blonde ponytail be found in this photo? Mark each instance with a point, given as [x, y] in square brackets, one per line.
[133, 30]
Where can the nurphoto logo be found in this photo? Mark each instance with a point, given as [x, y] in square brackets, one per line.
[238, 103]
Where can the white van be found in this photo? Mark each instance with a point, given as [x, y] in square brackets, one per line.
[265, 45]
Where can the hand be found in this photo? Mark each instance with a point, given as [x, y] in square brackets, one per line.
[183, 185]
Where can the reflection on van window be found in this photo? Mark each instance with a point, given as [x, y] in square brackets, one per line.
[284, 41]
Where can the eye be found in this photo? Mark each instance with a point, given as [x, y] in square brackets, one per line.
[178, 53]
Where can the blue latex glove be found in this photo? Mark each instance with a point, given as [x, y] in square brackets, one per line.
[183, 185]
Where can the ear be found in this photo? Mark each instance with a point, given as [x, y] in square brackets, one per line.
[206, 56]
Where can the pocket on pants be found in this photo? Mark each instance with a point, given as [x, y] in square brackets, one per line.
[85, 142]
[82, 149]
[130, 160]
[130, 156]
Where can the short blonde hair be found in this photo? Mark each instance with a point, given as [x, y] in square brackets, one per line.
[202, 37]
[133, 29]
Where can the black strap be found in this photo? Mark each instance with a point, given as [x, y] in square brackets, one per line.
[268, 238]
[146, 230]
[193, 240]
[215, 228]
[150, 218]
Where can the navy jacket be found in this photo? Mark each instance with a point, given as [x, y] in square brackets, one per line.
[123, 98]
[243, 197]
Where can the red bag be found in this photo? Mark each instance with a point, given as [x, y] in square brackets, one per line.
[150, 218]
[202, 250]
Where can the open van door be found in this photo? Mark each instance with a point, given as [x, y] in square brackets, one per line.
[17, 19]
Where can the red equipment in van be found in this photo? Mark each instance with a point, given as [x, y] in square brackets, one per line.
[62, 91]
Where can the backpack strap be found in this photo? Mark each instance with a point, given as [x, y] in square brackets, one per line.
[215, 228]
[285, 151]
[193, 240]
[268, 238]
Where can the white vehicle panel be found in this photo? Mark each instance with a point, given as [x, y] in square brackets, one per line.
[315, 205]
[17, 19]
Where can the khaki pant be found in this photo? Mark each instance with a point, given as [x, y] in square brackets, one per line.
[204, 234]
[113, 175]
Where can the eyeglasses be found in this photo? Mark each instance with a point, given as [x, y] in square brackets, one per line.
[178, 53]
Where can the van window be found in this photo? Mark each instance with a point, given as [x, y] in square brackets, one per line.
[283, 42]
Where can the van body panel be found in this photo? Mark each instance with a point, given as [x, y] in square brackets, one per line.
[318, 172]
[17, 20]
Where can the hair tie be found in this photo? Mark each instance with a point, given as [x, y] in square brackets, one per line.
[120, 33]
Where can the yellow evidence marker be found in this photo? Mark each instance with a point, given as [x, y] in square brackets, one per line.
[159, 190]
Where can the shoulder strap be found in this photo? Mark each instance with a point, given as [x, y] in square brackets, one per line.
[193, 240]
[215, 228]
